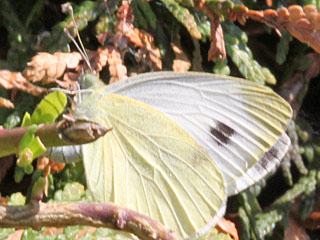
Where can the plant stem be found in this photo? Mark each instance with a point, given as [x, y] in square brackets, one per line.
[66, 132]
[61, 214]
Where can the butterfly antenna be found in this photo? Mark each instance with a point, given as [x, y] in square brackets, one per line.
[81, 49]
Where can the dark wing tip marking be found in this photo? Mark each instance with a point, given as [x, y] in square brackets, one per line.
[277, 151]
[222, 133]
[268, 156]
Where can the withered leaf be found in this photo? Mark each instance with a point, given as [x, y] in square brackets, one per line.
[15, 80]
[228, 227]
[181, 63]
[47, 68]
[6, 103]
[217, 49]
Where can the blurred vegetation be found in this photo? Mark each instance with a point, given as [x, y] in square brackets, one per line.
[254, 51]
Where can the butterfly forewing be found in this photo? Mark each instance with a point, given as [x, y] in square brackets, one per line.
[149, 164]
[240, 124]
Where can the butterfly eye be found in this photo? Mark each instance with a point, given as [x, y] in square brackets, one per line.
[88, 79]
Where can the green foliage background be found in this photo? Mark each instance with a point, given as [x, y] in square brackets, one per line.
[254, 52]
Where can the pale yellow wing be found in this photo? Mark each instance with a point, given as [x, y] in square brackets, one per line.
[149, 164]
[240, 124]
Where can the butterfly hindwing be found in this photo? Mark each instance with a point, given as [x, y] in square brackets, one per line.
[149, 164]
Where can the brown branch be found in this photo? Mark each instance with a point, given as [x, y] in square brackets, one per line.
[66, 132]
[61, 214]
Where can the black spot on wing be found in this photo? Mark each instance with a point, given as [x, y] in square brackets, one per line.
[269, 156]
[222, 133]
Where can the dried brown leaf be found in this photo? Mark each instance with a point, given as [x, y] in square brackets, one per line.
[228, 227]
[85, 230]
[295, 231]
[269, 3]
[71, 77]
[15, 80]
[97, 59]
[134, 38]
[301, 23]
[117, 69]
[217, 49]
[312, 15]
[313, 221]
[181, 63]
[6, 103]
[16, 235]
[56, 166]
[52, 231]
[4, 200]
[149, 52]
[127, 38]
[239, 14]
[42, 162]
[102, 59]
[295, 13]
[125, 28]
[48, 68]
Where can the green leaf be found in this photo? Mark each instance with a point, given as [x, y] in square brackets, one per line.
[221, 67]
[28, 169]
[18, 174]
[71, 231]
[203, 23]
[244, 224]
[5, 232]
[71, 192]
[34, 144]
[26, 121]
[27, 138]
[37, 147]
[24, 103]
[49, 108]
[106, 24]
[85, 12]
[17, 199]
[25, 157]
[30, 234]
[12, 120]
[315, 3]
[283, 47]
[186, 3]
[241, 55]
[139, 19]
[148, 13]
[220, 7]
[38, 188]
[30, 147]
[103, 233]
[183, 15]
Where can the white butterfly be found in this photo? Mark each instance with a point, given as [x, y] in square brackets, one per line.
[239, 124]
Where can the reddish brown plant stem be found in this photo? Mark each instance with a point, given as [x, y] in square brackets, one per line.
[37, 215]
